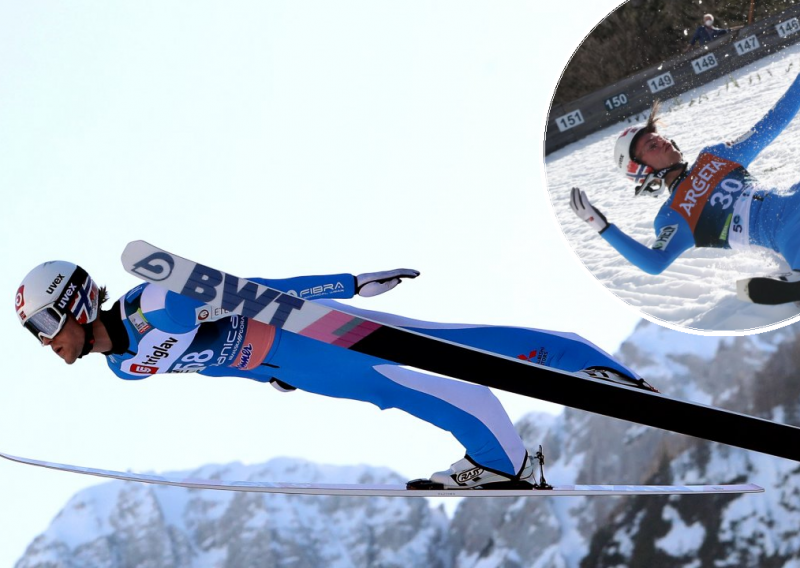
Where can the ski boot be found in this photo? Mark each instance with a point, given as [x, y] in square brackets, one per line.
[770, 290]
[613, 376]
[466, 474]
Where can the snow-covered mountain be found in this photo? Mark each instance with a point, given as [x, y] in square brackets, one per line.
[128, 524]
[121, 524]
[755, 374]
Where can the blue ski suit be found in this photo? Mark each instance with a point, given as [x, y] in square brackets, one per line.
[717, 203]
[154, 331]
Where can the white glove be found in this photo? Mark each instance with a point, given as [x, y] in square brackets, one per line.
[374, 283]
[583, 209]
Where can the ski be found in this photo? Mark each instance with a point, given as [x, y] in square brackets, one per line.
[370, 490]
[221, 291]
[770, 290]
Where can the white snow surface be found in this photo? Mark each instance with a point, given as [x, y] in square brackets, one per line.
[698, 292]
[682, 539]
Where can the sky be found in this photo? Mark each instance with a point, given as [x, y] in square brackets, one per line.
[274, 139]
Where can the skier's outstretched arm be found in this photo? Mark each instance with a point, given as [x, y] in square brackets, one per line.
[745, 149]
[340, 286]
[178, 314]
[670, 244]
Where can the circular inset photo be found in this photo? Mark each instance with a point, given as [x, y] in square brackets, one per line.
[672, 152]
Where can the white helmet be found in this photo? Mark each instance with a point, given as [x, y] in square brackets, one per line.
[623, 155]
[649, 181]
[50, 292]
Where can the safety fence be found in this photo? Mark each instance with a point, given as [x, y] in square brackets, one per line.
[573, 121]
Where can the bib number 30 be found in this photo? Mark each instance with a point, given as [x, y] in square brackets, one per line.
[725, 198]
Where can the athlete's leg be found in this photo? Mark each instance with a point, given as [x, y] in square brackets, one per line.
[470, 412]
[788, 229]
[565, 351]
[775, 224]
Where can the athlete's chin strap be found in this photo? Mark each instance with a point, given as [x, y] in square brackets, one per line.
[88, 341]
[653, 184]
[682, 166]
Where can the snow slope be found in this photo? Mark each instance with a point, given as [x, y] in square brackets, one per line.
[698, 291]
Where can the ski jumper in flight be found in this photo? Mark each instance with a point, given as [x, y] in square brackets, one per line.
[714, 203]
[150, 331]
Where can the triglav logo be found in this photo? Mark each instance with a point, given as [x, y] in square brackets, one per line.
[158, 266]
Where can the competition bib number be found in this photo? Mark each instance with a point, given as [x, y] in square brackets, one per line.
[724, 198]
[193, 362]
[705, 185]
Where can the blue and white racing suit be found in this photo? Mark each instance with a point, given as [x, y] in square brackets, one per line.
[154, 331]
[716, 203]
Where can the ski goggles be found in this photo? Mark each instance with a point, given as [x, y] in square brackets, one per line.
[45, 323]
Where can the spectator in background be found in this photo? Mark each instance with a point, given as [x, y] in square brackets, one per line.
[707, 32]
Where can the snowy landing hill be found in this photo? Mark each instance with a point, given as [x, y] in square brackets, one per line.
[698, 291]
[115, 525]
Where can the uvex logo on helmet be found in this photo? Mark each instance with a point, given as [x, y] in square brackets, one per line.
[65, 298]
[54, 284]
